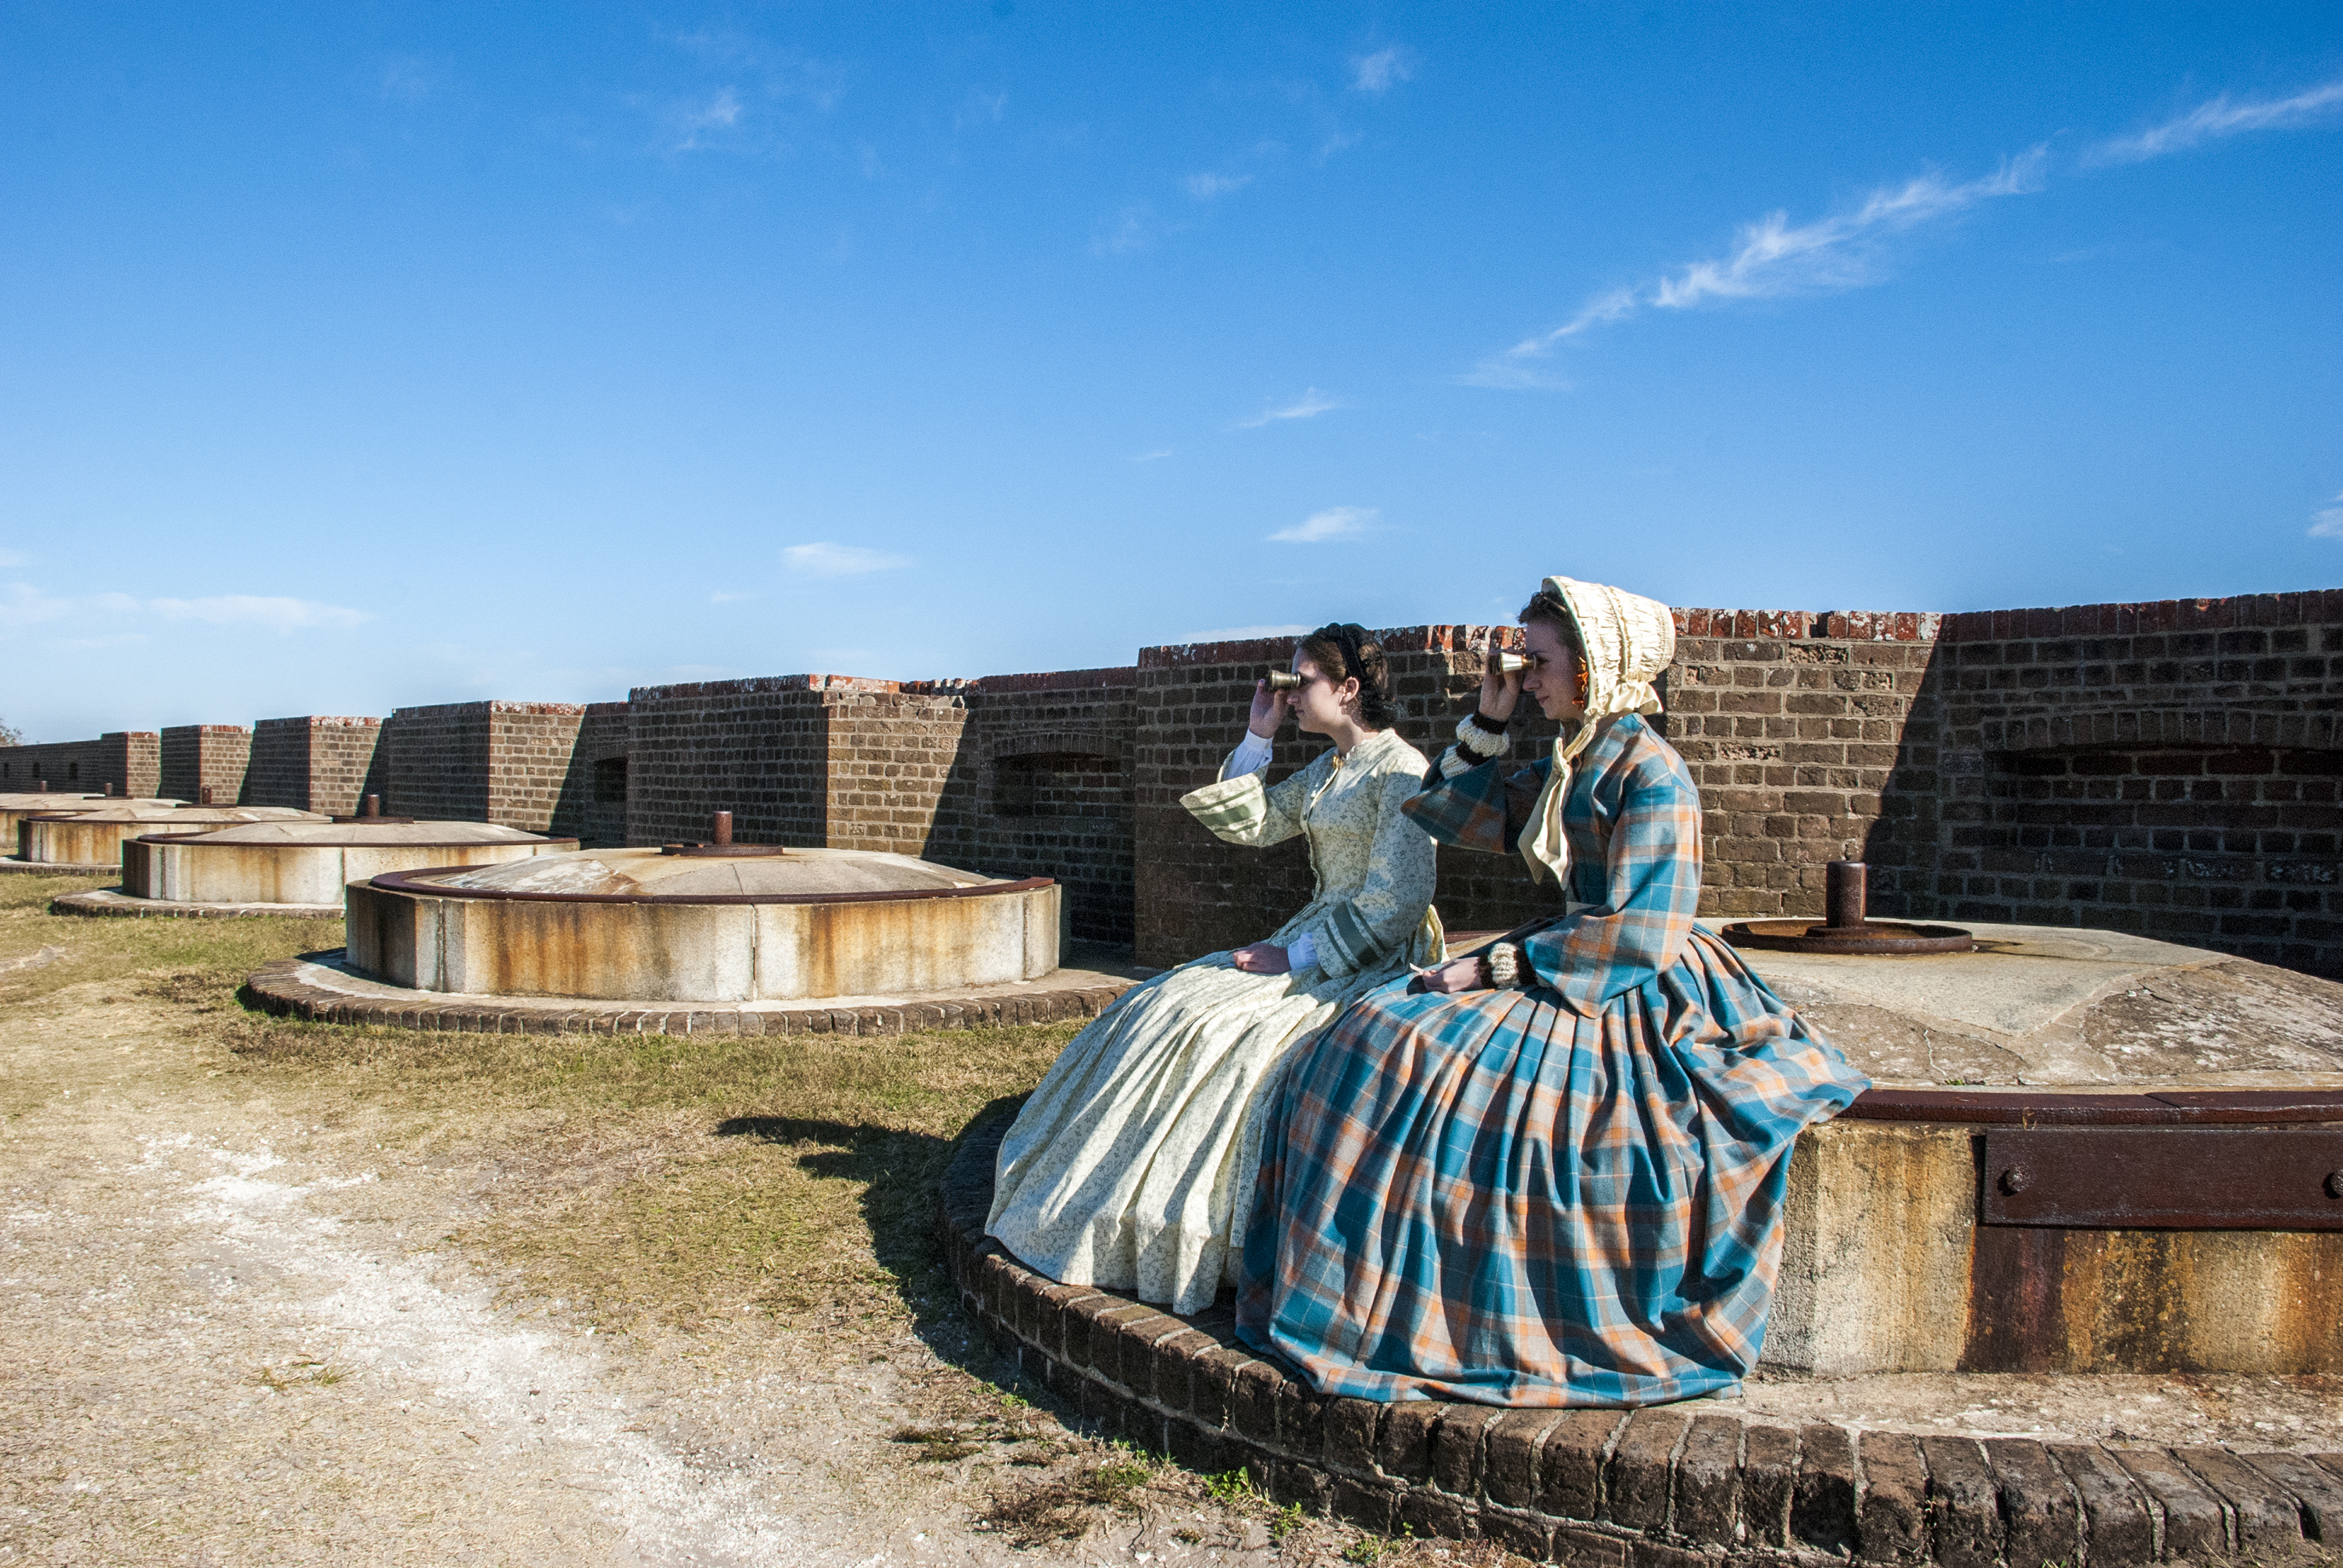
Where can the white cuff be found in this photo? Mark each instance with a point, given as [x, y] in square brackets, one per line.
[1456, 760]
[1301, 952]
[1250, 756]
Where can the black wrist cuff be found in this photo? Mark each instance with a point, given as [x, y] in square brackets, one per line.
[1493, 726]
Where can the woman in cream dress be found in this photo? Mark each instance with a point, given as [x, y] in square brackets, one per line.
[1132, 1164]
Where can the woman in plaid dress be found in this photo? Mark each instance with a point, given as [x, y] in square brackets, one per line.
[1551, 1174]
[1132, 1164]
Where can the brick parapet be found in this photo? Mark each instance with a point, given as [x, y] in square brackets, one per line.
[2168, 768]
[317, 762]
[198, 757]
[1665, 1486]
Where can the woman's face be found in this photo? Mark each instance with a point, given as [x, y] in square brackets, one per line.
[1552, 678]
[1318, 705]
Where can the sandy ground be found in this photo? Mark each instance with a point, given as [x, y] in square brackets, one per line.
[233, 1331]
[239, 1330]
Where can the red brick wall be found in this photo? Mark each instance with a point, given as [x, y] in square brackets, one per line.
[319, 762]
[502, 762]
[758, 748]
[2168, 768]
[195, 757]
[593, 801]
[1788, 720]
[1042, 787]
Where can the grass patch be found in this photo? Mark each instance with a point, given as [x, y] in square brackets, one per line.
[102, 949]
[670, 1179]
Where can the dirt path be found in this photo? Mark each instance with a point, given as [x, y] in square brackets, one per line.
[236, 1329]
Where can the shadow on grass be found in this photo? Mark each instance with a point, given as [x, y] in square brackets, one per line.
[902, 1172]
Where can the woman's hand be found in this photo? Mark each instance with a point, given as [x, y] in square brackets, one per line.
[1268, 710]
[1500, 689]
[1261, 958]
[1455, 975]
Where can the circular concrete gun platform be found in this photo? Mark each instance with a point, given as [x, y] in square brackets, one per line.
[323, 988]
[1670, 1486]
[300, 867]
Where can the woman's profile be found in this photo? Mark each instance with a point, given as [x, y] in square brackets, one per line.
[1551, 1173]
[1132, 1164]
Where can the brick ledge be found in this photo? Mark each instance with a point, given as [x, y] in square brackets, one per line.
[1668, 1486]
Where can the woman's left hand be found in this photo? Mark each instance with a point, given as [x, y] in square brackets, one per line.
[1261, 958]
[1455, 975]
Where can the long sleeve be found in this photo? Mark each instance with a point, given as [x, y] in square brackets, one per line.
[1482, 808]
[1243, 810]
[1651, 888]
[1386, 912]
[1250, 756]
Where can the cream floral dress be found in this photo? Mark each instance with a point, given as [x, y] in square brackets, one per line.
[1132, 1165]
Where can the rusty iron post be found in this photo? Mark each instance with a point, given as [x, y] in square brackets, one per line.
[373, 807]
[1845, 894]
[206, 796]
[723, 834]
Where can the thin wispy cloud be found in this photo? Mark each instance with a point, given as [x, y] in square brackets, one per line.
[24, 605]
[408, 80]
[1380, 71]
[1773, 257]
[2326, 523]
[825, 559]
[1204, 188]
[1155, 456]
[700, 122]
[1325, 527]
[275, 614]
[2222, 117]
[1309, 406]
[13, 559]
[720, 597]
[1133, 227]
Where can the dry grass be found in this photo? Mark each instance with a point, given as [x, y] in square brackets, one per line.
[660, 1179]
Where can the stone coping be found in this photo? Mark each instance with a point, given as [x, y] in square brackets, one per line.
[1665, 1486]
[114, 901]
[61, 869]
[320, 987]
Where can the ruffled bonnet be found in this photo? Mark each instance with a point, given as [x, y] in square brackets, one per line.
[1629, 641]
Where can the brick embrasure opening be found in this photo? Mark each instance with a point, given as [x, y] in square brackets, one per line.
[1668, 1486]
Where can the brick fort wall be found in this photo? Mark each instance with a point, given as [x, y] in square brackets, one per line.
[199, 757]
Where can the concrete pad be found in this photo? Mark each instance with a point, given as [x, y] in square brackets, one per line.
[324, 988]
[114, 901]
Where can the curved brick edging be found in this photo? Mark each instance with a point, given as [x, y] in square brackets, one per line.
[292, 988]
[1668, 1486]
[116, 903]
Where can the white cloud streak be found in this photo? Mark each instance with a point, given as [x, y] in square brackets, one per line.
[1380, 71]
[23, 606]
[825, 559]
[1309, 406]
[2326, 523]
[2222, 116]
[1204, 188]
[1325, 527]
[1771, 257]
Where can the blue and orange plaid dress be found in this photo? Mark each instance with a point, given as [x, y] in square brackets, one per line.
[1567, 1193]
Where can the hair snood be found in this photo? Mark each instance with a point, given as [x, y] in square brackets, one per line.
[1344, 650]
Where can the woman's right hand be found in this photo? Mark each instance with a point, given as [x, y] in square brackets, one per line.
[1455, 975]
[1500, 689]
[1268, 709]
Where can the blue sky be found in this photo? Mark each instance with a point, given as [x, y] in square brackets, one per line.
[359, 356]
